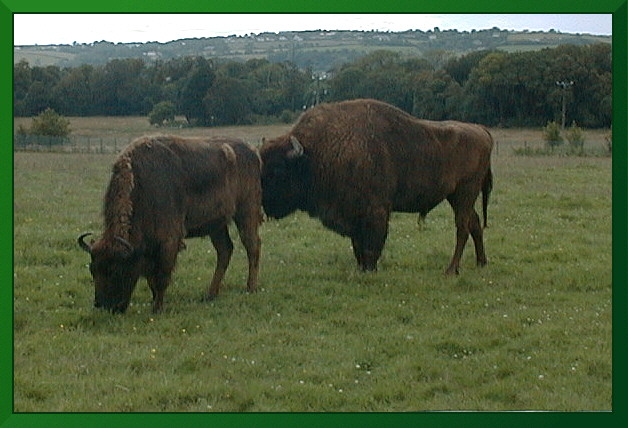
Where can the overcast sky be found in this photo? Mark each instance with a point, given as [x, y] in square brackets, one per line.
[45, 29]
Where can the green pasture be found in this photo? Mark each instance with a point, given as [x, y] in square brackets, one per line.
[530, 331]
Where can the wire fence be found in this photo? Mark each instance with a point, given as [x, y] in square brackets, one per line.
[84, 144]
[71, 144]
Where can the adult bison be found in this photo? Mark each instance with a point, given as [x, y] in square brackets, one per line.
[351, 163]
[164, 189]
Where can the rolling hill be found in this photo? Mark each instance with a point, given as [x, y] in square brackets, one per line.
[318, 50]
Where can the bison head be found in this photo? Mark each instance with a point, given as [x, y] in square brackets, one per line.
[115, 270]
[286, 176]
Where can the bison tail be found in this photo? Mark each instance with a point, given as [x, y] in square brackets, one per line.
[487, 186]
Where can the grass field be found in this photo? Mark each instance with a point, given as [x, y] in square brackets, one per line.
[532, 330]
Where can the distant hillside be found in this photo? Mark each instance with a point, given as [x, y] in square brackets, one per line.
[319, 50]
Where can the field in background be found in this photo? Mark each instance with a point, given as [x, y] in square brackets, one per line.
[532, 330]
[124, 129]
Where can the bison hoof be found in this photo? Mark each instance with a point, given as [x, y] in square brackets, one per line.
[209, 297]
[452, 271]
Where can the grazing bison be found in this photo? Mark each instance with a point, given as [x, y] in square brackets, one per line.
[351, 163]
[164, 189]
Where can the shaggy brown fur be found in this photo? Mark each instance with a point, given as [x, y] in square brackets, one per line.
[118, 209]
[351, 163]
[162, 190]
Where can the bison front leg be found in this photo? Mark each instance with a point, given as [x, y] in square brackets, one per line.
[159, 278]
[158, 284]
[357, 249]
[369, 238]
[224, 248]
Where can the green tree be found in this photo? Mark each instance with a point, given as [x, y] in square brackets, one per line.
[227, 102]
[382, 75]
[33, 88]
[120, 87]
[519, 89]
[436, 96]
[74, 92]
[272, 86]
[22, 79]
[194, 90]
[162, 113]
[459, 68]
[347, 83]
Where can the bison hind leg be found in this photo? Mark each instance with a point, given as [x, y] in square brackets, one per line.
[224, 248]
[467, 222]
[478, 239]
[248, 225]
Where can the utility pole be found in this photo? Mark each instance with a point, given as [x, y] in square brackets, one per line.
[564, 85]
[319, 91]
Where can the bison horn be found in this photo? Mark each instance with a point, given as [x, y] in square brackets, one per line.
[124, 242]
[84, 245]
[297, 148]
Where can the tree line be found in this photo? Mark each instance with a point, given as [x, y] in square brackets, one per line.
[492, 87]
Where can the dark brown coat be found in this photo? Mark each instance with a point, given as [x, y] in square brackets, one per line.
[351, 163]
[164, 189]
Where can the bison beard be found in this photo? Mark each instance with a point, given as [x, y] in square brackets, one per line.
[351, 163]
[162, 190]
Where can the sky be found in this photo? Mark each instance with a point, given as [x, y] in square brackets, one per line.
[47, 29]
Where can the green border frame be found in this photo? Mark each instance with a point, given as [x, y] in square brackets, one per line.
[619, 10]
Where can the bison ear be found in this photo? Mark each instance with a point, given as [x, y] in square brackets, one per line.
[297, 149]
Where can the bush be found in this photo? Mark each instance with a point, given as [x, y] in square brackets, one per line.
[551, 135]
[609, 142]
[50, 124]
[288, 116]
[575, 136]
[162, 113]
